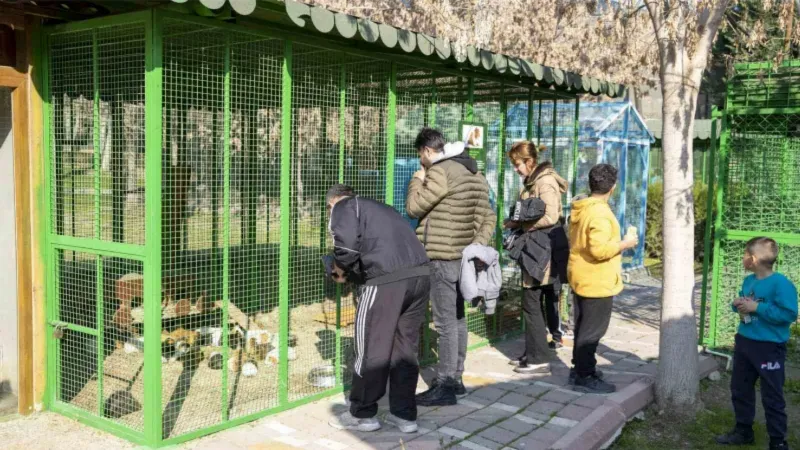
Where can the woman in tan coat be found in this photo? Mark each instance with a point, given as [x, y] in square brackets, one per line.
[541, 181]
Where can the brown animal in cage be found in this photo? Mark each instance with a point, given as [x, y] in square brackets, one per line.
[174, 202]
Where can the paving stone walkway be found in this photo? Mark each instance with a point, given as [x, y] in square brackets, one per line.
[503, 410]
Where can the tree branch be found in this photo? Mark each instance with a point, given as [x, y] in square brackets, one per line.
[710, 26]
[654, 8]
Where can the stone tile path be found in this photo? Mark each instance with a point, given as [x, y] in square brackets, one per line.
[503, 410]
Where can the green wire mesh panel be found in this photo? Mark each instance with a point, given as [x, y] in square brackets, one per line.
[516, 130]
[121, 59]
[255, 110]
[77, 288]
[72, 133]
[763, 189]
[416, 91]
[96, 95]
[364, 159]
[731, 275]
[316, 77]
[192, 223]
[451, 98]
[487, 110]
[758, 179]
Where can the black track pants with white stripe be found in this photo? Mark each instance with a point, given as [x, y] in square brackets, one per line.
[388, 321]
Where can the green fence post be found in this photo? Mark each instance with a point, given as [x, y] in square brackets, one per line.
[97, 220]
[555, 134]
[431, 122]
[285, 203]
[390, 134]
[342, 144]
[49, 158]
[226, 220]
[501, 164]
[501, 169]
[152, 275]
[575, 150]
[539, 125]
[719, 198]
[470, 111]
[707, 236]
[529, 123]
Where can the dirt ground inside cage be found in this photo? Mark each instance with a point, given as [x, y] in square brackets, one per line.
[192, 391]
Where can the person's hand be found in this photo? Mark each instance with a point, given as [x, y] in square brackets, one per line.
[420, 174]
[338, 275]
[738, 301]
[630, 241]
[747, 306]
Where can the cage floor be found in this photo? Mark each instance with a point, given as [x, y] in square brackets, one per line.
[192, 392]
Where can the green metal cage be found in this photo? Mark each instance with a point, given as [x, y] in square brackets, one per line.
[757, 189]
[187, 161]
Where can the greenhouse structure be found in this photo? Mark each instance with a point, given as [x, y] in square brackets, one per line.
[608, 132]
[179, 157]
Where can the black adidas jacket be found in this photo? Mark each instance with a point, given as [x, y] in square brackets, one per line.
[374, 244]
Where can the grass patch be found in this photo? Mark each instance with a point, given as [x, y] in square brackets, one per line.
[669, 432]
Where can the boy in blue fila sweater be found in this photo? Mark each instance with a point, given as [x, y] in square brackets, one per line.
[767, 306]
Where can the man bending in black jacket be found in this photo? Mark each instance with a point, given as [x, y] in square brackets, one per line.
[375, 248]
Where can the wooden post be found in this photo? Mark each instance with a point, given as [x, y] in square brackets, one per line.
[18, 82]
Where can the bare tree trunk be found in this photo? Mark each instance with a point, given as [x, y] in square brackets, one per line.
[677, 381]
[681, 74]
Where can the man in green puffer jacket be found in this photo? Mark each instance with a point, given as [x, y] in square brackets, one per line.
[451, 200]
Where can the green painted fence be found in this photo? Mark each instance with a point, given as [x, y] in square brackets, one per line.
[187, 165]
[757, 189]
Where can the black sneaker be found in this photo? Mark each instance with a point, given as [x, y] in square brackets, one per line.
[461, 390]
[521, 361]
[593, 385]
[737, 437]
[779, 446]
[555, 344]
[573, 374]
[440, 394]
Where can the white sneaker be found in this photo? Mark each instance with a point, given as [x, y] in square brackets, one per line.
[533, 368]
[406, 426]
[346, 421]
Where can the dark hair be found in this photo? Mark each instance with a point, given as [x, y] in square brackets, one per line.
[428, 137]
[764, 249]
[602, 178]
[339, 190]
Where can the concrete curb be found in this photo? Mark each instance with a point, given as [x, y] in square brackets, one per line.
[599, 427]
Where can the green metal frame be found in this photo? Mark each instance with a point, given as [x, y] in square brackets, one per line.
[762, 95]
[150, 254]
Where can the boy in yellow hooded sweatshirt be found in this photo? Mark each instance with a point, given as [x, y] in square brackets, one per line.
[595, 274]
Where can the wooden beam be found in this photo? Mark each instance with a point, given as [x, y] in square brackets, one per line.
[18, 83]
[36, 163]
[22, 193]
[11, 77]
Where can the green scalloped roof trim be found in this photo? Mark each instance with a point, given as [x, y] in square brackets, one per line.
[322, 19]
[368, 30]
[425, 44]
[388, 35]
[408, 40]
[326, 21]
